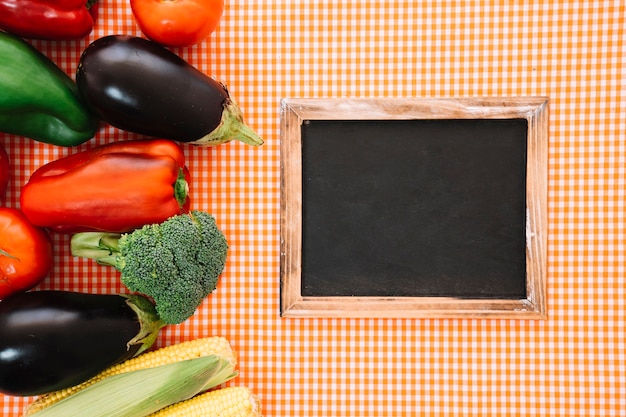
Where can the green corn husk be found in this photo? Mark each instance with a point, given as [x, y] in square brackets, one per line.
[143, 392]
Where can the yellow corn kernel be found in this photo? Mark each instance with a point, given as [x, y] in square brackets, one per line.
[224, 402]
[196, 348]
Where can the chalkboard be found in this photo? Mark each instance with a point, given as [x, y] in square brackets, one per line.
[413, 207]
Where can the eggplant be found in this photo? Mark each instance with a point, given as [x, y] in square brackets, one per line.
[139, 86]
[50, 340]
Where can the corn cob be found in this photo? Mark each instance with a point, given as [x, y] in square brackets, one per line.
[178, 352]
[225, 402]
[145, 391]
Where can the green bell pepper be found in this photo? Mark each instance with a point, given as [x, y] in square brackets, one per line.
[37, 99]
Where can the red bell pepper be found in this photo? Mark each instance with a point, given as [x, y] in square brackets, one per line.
[47, 19]
[25, 253]
[117, 187]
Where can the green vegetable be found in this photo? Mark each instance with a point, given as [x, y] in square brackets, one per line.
[37, 99]
[176, 263]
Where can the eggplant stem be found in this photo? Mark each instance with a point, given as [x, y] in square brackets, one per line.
[149, 321]
[231, 127]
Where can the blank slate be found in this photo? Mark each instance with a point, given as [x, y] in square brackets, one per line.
[410, 207]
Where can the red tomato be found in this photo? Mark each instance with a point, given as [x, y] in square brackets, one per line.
[25, 253]
[177, 22]
[93, 6]
[4, 171]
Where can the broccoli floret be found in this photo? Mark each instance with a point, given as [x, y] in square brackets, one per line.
[177, 263]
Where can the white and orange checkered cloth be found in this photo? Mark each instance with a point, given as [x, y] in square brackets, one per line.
[572, 364]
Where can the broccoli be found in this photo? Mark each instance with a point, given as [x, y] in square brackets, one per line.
[176, 263]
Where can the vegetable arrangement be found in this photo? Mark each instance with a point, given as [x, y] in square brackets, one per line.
[25, 252]
[47, 19]
[177, 23]
[176, 374]
[117, 187]
[124, 203]
[139, 86]
[177, 263]
[39, 100]
[51, 340]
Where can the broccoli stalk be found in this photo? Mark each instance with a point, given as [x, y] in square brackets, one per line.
[176, 263]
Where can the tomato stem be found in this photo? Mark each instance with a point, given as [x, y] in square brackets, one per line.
[7, 254]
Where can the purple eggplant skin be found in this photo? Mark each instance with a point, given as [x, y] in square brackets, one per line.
[50, 340]
[139, 86]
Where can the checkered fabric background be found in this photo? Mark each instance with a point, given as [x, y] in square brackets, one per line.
[572, 364]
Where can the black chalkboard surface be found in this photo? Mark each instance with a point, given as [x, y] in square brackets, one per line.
[413, 207]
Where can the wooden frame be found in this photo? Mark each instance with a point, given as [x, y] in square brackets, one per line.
[295, 111]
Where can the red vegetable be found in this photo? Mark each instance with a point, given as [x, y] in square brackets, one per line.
[25, 253]
[4, 171]
[47, 19]
[177, 22]
[116, 187]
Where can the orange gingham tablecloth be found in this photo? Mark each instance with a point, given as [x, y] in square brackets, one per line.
[573, 363]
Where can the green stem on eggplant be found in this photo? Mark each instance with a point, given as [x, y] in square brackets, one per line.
[149, 322]
[231, 127]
